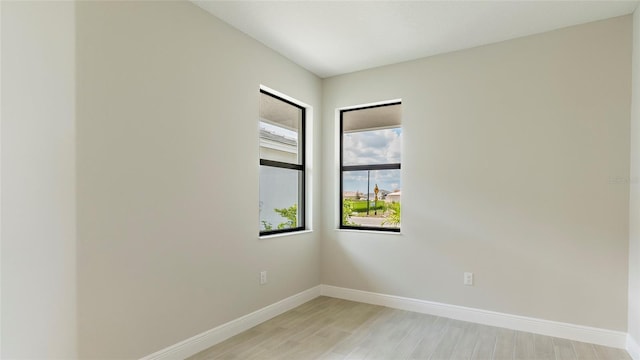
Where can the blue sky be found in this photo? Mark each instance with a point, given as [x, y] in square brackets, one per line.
[386, 179]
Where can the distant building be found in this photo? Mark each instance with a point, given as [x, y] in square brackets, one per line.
[352, 195]
[381, 195]
[393, 197]
[278, 147]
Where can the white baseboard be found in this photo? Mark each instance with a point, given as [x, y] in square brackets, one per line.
[593, 335]
[633, 348]
[218, 334]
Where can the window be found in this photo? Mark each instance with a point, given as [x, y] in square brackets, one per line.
[282, 165]
[370, 151]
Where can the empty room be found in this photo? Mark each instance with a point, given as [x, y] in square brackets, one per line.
[320, 180]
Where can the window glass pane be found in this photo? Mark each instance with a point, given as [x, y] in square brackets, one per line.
[280, 130]
[383, 211]
[372, 147]
[279, 198]
[370, 162]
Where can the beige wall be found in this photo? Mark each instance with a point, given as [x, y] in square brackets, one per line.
[38, 181]
[168, 179]
[634, 206]
[515, 167]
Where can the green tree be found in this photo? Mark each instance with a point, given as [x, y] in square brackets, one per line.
[267, 226]
[291, 214]
[347, 211]
[394, 215]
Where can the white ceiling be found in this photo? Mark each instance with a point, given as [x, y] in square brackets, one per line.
[336, 37]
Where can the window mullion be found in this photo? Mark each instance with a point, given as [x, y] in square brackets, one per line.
[282, 165]
[396, 166]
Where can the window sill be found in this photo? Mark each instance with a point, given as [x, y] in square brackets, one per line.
[370, 232]
[285, 234]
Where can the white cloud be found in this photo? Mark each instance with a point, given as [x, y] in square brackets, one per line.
[372, 147]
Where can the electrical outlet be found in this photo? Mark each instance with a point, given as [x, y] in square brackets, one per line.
[468, 278]
[263, 277]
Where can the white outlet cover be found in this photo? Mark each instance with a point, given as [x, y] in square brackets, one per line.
[468, 278]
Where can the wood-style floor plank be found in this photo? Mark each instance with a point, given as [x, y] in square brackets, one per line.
[543, 346]
[608, 353]
[391, 336]
[486, 343]
[584, 351]
[430, 339]
[525, 348]
[505, 344]
[407, 345]
[449, 339]
[333, 329]
[563, 349]
[467, 342]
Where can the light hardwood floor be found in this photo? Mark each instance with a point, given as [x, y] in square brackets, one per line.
[328, 328]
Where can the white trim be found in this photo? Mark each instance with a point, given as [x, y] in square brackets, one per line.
[375, 103]
[218, 334]
[588, 334]
[284, 96]
[376, 232]
[633, 348]
[301, 232]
